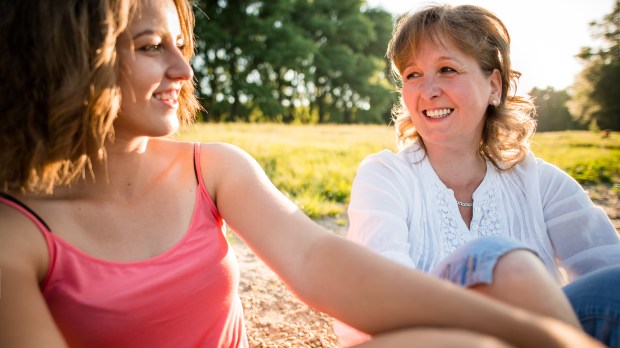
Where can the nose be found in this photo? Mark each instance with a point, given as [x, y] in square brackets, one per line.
[179, 68]
[430, 88]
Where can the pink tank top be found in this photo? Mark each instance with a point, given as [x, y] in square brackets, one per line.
[185, 297]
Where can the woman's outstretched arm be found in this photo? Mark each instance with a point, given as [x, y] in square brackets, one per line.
[349, 282]
[25, 320]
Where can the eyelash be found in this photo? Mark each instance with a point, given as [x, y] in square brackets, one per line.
[411, 76]
[151, 48]
[160, 46]
[447, 70]
[442, 70]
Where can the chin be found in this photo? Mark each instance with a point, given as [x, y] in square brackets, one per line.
[169, 131]
[165, 129]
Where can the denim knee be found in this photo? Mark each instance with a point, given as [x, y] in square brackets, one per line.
[474, 262]
[595, 298]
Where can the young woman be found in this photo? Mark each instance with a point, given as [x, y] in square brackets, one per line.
[464, 193]
[111, 234]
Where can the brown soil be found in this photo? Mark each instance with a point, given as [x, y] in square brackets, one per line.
[276, 318]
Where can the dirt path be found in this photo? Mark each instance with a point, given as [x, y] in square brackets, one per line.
[276, 318]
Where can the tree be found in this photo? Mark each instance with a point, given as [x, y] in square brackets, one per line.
[553, 114]
[596, 92]
[346, 80]
[382, 22]
[227, 35]
[292, 60]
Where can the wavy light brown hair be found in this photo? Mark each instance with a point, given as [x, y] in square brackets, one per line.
[480, 34]
[60, 94]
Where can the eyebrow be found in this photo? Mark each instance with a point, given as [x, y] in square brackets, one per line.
[439, 59]
[144, 32]
[153, 32]
[442, 58]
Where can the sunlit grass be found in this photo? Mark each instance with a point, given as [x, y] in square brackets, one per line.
[315, 165]
[586, 156]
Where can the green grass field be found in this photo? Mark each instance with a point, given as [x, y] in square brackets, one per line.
[315, 165]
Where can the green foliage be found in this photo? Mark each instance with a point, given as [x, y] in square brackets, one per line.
[596, 90]
[588, 157]
[553, 114]
[304, 61]
[591, 172]
[593, 126]
[315, 165]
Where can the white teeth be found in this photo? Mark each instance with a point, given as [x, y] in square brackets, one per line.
[438, 113]
[166, 96]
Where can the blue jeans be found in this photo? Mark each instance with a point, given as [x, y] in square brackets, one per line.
[595, 297]
[474, 262]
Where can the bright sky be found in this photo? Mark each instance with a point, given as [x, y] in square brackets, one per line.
[546, 34]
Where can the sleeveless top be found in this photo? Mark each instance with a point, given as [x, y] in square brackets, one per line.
[185, 297]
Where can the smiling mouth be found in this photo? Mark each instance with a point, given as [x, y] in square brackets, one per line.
[167, 97]
[439, 113]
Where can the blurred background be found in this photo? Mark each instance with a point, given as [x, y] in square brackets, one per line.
[323, 61]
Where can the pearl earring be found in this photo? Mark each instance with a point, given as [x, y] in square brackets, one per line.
[495, 102]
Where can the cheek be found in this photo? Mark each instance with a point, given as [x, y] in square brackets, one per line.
[409, 96]
[138, 82]
[484, 88]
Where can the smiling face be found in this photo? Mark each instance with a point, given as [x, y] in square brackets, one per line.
[152, 71]
[447, 94]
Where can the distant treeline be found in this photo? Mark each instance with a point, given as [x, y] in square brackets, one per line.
[323, 61]
[553, 113]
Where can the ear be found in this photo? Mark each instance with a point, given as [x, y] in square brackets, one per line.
[496, 88]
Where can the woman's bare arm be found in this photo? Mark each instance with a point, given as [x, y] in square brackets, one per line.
[349, 282]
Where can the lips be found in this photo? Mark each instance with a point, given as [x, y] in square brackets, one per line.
[438, 113]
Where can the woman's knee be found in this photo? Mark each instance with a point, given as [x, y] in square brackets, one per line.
[479, 261]
[520, 278]
[519, 274]
[509, 271]
[519, 265]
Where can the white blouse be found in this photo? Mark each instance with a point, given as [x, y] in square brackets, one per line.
[402, 210]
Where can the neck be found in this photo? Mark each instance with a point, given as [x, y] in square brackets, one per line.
[458, 170]
[122, 173]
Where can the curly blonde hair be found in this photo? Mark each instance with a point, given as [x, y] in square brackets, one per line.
[478, 33]
[60, 94]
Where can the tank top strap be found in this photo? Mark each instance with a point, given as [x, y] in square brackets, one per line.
[25, 210]
[197, 170]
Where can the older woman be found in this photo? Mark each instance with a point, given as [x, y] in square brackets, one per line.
[464, 193]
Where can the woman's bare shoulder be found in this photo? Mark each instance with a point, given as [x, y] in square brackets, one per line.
[22, 241]
[209, 151]
[227, 165]
[24, 263]
[227, 157]
[220, 148]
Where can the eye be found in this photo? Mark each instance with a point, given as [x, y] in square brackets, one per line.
[412, 75]
[181, 44]
[447, 70]
[151, 48]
